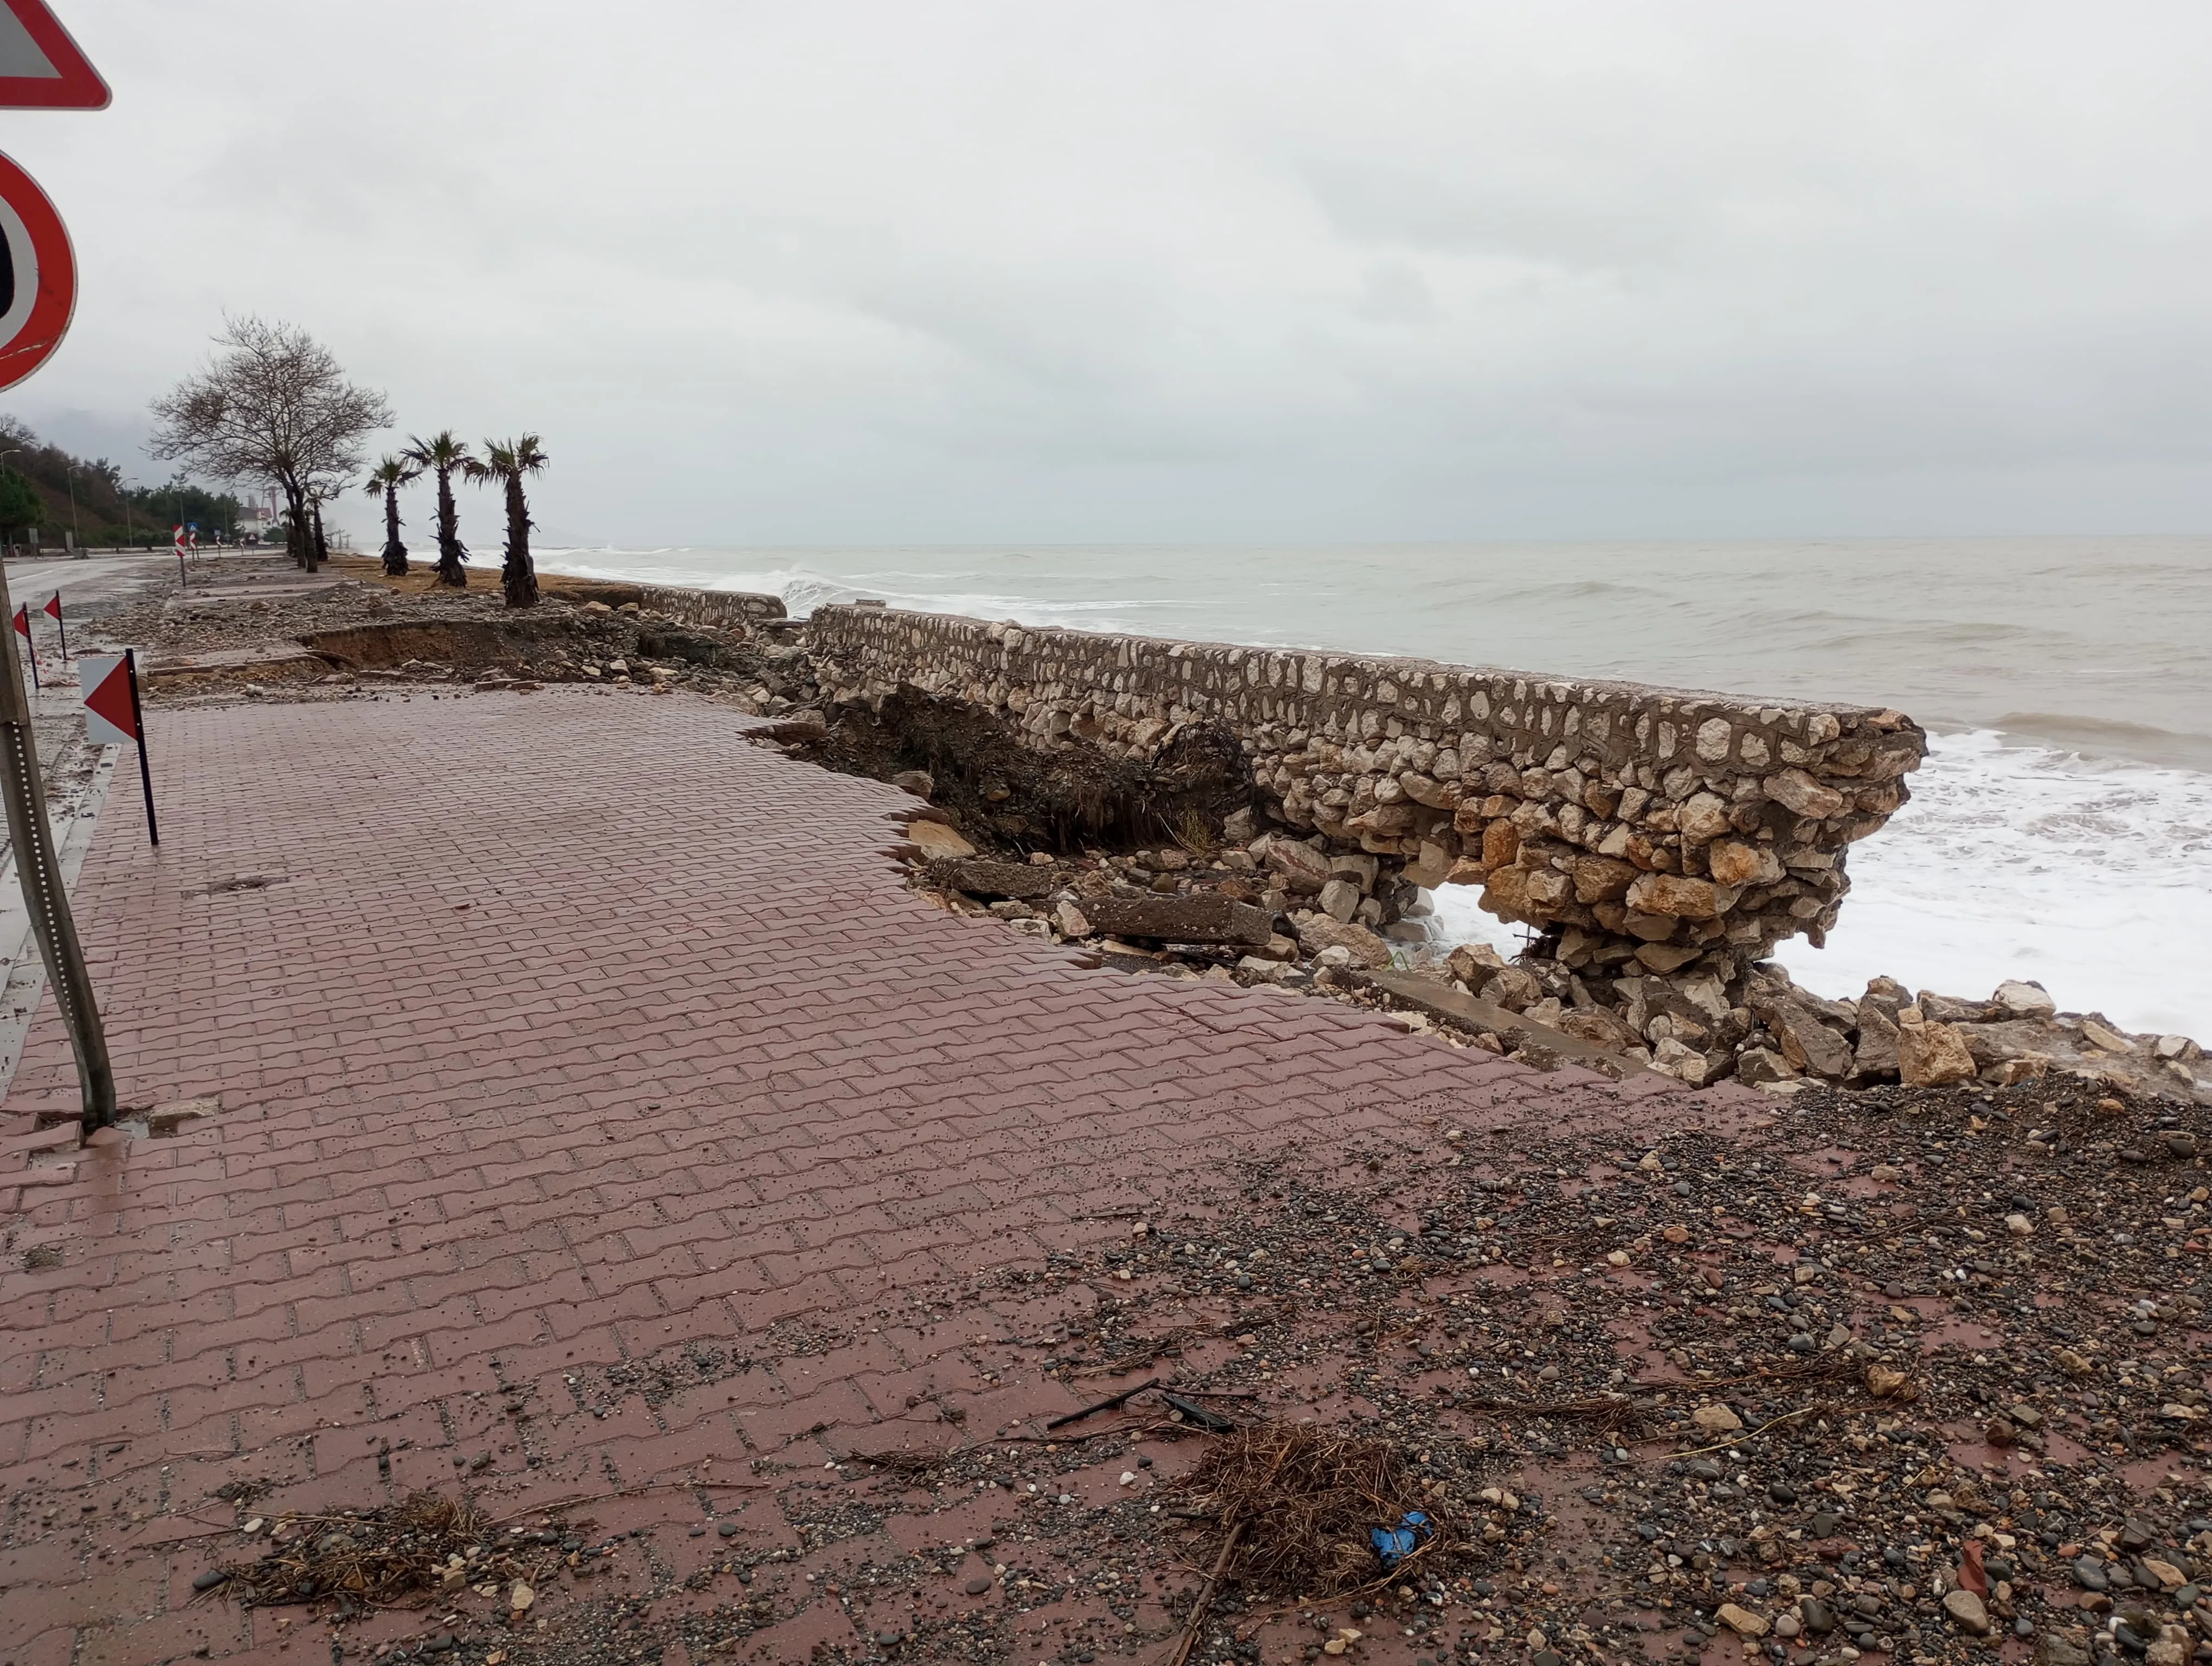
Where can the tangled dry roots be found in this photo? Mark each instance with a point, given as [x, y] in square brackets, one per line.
[376, 1558]
[1306, 1499]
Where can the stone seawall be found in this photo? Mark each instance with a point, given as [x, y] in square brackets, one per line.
[1639, 830]
[730, 609]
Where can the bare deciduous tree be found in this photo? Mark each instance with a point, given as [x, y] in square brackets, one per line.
[271, 406]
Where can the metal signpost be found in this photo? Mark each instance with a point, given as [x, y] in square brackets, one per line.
[41, 68]
[38, 865]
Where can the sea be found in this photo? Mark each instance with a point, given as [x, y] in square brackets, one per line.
[2060, 830]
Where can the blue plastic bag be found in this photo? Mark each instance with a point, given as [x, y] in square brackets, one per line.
[1395, 1544]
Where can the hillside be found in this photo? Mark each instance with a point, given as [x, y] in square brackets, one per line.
[105, 511]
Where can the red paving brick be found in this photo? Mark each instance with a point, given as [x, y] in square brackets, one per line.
[567, 1028]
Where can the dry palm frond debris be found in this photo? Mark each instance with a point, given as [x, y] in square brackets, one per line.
[912, 1464]
[379, 1558]
[1301, 1502]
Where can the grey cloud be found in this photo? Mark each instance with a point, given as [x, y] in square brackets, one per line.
[861, 271]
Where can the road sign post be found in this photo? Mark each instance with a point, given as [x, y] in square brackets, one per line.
[44, 895]
[41, 68]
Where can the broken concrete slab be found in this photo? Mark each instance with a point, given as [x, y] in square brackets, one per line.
[1440, 1000]
[1020, 882]
[265, 662]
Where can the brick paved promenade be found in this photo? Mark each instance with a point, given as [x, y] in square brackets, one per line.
[553, 1033]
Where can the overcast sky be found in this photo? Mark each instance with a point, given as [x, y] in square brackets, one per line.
[861, 272]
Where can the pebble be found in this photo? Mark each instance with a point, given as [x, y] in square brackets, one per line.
[727, 1529]
[977, 1585]
[1967, 1611]
[1741, 1621]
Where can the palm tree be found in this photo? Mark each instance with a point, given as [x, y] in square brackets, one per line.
[387, 478]
[510, 463]
[441, 453]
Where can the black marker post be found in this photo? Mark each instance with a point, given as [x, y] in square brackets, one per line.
[138, 728]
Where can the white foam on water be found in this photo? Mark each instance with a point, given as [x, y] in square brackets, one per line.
[1460, 919]
[803, 589]
[2094, 879]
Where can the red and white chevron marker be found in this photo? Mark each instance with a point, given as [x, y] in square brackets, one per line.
[21, 622]
[109, 683]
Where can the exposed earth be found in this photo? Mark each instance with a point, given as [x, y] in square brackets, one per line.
[1801, 1386]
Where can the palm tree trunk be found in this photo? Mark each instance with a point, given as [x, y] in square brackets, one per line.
[450, 551]
[519, 577]
[395, 552]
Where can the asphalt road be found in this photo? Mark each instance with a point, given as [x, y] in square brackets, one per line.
[96, 578]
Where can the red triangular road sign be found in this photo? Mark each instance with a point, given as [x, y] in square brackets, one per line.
[23, 620]
[40, 67]
[53, 608]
